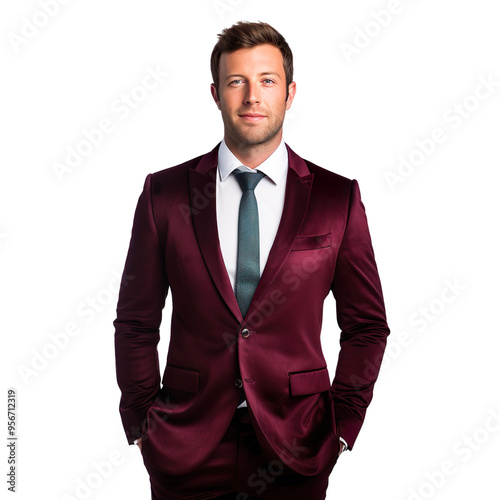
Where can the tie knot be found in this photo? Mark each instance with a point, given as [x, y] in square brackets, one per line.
[248, 180]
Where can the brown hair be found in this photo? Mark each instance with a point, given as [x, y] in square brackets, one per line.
[246, 34]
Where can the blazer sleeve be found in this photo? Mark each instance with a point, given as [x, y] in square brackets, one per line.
[362, 319]
[141, 299]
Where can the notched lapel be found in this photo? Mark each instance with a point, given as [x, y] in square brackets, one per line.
[202, 192]
[297, 192]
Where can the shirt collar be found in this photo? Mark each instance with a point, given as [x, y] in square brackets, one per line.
[274, 167]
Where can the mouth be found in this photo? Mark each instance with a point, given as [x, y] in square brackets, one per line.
[252, 117]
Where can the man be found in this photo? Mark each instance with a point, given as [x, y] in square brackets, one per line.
[250, 238]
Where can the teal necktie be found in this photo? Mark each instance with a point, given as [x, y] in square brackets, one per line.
[248, 263]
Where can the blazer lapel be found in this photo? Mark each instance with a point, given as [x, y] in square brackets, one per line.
[202, 191]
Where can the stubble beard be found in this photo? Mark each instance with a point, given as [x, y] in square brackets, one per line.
[252, 137]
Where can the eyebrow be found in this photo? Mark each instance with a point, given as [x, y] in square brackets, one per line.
[260, 74]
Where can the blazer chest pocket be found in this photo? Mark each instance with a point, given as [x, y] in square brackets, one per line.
[310, 382]
[182, 379]
[312, 242]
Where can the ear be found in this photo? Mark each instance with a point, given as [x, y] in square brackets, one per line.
[292, 88]
[213, 90]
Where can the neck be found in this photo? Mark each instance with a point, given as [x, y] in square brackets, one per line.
[252, 155]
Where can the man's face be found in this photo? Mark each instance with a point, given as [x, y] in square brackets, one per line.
[252, 93]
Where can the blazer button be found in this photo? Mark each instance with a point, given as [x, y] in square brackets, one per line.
[245, 333]
[238, 383]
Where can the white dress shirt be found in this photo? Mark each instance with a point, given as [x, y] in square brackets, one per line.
[270, 196]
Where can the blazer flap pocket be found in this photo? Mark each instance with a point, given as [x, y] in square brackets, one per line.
[312, 242]
[310, 382]
[183, 379]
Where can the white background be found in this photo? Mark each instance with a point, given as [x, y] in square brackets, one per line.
[63, 240]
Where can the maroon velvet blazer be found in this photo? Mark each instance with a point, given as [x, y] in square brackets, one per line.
[274, 353]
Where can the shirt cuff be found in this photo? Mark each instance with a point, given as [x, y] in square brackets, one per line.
[346, 445]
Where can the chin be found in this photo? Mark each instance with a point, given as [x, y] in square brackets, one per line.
[253, 139]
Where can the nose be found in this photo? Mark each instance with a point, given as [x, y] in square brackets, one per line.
[252, 95]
